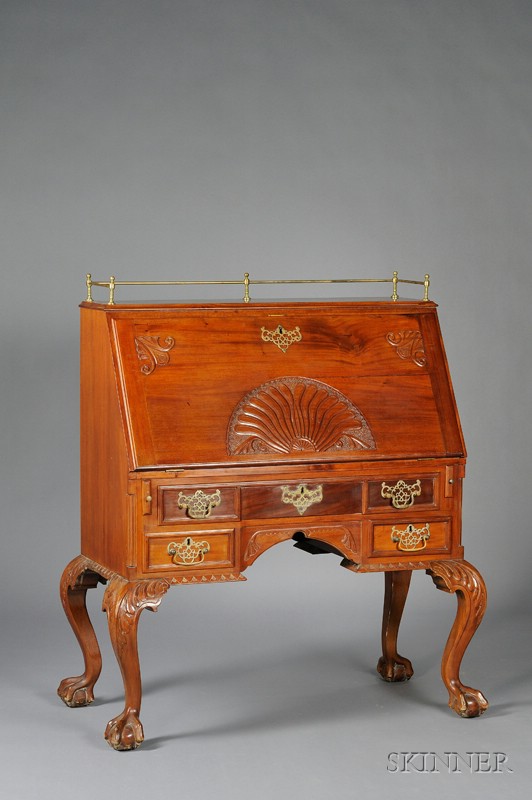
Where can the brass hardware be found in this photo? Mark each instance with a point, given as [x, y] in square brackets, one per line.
[426, 284]
[395, 280]
[302, 497]
[280, 337]
[246, 287]
[412, 538]
[402, 495]
[448, 487]
[146, 497]
[199, 505]
[112, 283]
[188, 552]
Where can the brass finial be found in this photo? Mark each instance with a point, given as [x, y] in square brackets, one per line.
[426, 284]
[112, 280]
[88, 281]
[395, 280]
[246, 287]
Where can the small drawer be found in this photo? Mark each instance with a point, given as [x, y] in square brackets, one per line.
[301, 499]
[410, 538]
[403, 493]
[190, 550]
[191, 503]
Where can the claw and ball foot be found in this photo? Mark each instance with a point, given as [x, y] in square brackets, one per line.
[76, 579]
[393, 667]
[125, 731]
[395, 671]
[124, 601]
[465, 581]
[76, 692]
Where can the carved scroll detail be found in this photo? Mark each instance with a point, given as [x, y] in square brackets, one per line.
[150, 349]
[124, 601]
[454, 576]
[214, 578]
[262, 540]
[409, 345]
[387, 566]
[290, 415]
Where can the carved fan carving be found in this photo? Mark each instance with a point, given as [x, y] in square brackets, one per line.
[290, 415]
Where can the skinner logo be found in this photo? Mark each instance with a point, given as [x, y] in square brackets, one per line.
[451, 762]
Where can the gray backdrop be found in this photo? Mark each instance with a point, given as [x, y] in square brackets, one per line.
[303, 138]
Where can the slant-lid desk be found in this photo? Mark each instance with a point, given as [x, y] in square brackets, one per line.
[212, 431]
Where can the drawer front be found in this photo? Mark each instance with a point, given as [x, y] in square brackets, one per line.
[190, 551]
[178, 504]
[400, 493]
[301, 499]
[422, 537]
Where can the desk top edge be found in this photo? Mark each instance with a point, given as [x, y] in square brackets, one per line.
[362, 304]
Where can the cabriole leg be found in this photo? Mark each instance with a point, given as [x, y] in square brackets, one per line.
[76, 579]
[124, 601]
[463, 579]
[393, 667]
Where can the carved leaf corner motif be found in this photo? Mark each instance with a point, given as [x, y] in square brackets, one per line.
[150, 350]
[409, 346]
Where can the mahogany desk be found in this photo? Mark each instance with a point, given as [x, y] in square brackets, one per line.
[212, 431]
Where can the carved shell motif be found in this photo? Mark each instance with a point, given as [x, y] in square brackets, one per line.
[290, 415]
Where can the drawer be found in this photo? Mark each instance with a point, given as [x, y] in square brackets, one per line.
[422, 537]
[190, 550]
[301, 499]
[400, 492]
[178, 504]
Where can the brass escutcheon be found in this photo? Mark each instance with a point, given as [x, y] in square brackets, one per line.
[302, 497]
[402, 495]
[199, 505]
[188, 552]
[281, 337]
[411, 538]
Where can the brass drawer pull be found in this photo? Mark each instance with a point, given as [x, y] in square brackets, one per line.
[402, 495]
[302, 497]
[199, 505]
[280, 337]
[411, 538]
[188, 552]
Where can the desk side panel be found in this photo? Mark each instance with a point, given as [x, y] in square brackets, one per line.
[105, 503]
